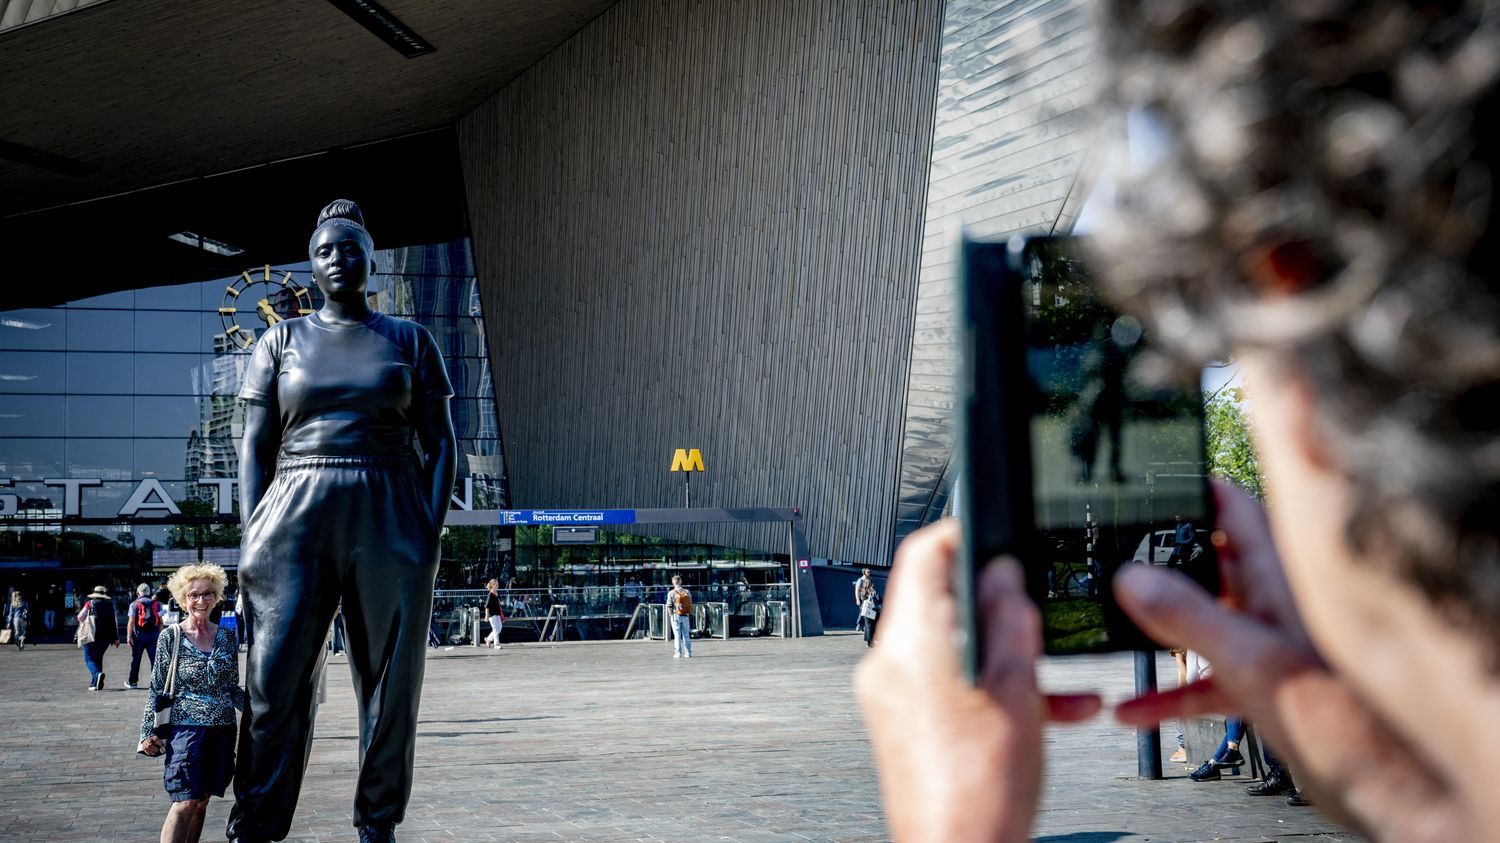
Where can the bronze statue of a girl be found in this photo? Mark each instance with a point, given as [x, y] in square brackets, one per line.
[337, 504]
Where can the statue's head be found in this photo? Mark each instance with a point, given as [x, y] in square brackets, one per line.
[341, 250]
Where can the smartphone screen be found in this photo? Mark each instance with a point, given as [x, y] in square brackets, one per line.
[1083, 452]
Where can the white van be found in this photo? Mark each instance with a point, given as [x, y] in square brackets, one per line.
[1157, 547]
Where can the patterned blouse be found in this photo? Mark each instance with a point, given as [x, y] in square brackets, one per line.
[207, 690]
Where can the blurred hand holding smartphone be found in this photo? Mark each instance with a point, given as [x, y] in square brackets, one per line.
[1081, 452]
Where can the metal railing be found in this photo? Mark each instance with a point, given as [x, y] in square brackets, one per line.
[719, 611]
[552, 624]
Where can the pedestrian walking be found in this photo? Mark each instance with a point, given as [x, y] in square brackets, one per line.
[869, 611]
[680, 613]
[1183, 536]
[200, 677]
[863, 588]
[494, 612]
[97, 632]
[17, 619]
[142, 627]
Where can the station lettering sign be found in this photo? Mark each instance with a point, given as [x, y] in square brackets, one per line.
[150, 499]
[528, 517]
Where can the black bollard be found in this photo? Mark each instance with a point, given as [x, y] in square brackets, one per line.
[1147, 741]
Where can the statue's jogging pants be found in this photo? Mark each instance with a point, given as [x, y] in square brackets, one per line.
[354, 528]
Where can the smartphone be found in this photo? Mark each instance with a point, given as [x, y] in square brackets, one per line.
[1082, 452]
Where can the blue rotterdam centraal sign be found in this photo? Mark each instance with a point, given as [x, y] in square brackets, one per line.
[567, 516]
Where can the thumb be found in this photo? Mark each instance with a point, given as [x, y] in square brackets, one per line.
[1012, 630]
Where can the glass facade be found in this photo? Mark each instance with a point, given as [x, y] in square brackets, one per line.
[120, 425]
[1008, 152]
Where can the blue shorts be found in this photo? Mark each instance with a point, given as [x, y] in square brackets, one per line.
[200, 762]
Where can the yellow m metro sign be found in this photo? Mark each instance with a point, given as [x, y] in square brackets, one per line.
[685, 459]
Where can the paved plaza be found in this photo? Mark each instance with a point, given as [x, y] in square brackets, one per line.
[751, 740]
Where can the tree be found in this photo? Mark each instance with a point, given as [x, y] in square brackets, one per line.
[1231, 453]
[184, 536]
[466, 544]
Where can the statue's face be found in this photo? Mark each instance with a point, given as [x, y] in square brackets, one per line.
[341, 261]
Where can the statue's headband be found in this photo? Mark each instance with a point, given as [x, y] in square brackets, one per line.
[343, 222]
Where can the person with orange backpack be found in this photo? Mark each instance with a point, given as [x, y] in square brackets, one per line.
[143, 627]
[680, 615]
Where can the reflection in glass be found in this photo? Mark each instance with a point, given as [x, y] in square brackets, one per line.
[470, 419]
[164, 458]
[36, 498]
[143, 384]
[105, 501]
[99, 330]
[165, 415]
[107, 459]
[222, 373]
[103, 372]
[162, 330]
[166, 374]
[470, 375]
[99, 415]
[463, 338]
[32, 329]
[31, 371]
[31, 458]
[31, 415]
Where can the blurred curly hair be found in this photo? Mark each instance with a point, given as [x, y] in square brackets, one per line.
[1327, 192]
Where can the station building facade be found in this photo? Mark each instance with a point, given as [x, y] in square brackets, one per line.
[633, 226]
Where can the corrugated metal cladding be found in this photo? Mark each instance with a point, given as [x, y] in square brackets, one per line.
[697, 225]
[1009, 147]
[14, 13]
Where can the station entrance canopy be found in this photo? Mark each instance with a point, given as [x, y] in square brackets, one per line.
[806, 618]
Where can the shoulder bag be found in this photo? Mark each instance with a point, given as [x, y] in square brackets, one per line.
[86, 626]
[162, 725]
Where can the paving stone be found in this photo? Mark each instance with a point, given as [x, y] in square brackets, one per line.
[750, 740]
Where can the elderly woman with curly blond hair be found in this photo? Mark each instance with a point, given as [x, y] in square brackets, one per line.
[200, 662]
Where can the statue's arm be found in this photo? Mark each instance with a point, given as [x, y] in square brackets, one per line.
[257, 456]
[439, 446]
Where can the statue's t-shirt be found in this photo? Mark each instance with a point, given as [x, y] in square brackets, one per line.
[345, 390]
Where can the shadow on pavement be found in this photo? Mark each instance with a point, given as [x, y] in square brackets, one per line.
[1084, 837]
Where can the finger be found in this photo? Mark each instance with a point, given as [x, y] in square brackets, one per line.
[923, 567]
[1201, 697]
[1250, 563]
[1175, 611]
[1013, 642]
[1244, 521]
[1071, 708]
[1012, 629]
[920, 594]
